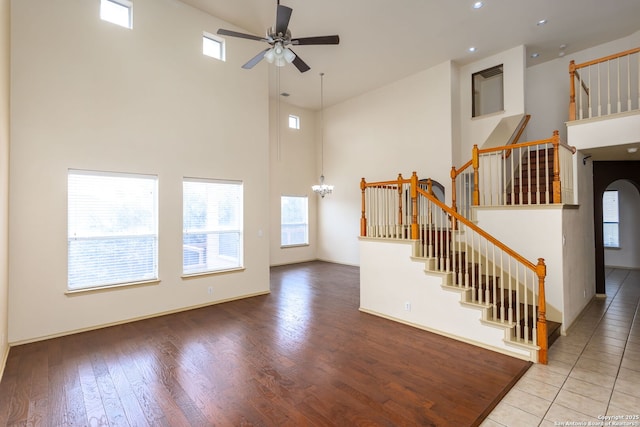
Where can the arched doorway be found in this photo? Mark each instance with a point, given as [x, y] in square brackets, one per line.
[604, 174]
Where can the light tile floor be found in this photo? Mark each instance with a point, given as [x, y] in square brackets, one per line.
[593, 375]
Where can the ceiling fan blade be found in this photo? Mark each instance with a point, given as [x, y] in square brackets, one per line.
[316, 40]
[283, 15]
[224, 32]
[299, 63]
[253, 61]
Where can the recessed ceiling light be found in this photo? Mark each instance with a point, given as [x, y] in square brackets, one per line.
[472, 49]
[542, 22]
[561, 53]
[563, 46]
[478, 5]
[632, 150]
[535, 55]
[285, 94]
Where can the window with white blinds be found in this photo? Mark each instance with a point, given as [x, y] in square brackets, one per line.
[112, 229]
[212, 225]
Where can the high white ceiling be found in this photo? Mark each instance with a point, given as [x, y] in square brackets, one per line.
[384, 41]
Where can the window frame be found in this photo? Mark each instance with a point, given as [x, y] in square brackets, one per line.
[477, 92]
[215, 39]
[123, 3]
[305, 223]
[296, 122]
[613, 220]
[75, 232]
[191, 231]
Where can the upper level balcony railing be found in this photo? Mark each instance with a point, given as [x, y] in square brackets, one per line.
[605, 86]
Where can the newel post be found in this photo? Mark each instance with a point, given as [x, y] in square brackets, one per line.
[414, 206]
[363, 218]
[454, 174]
[475, 161]
[572, 90]
[557, 185]
[541, 271]
[400, 201]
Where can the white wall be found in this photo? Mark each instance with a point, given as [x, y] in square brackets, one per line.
[628, 255]
[578, 251]
[475, 130]
[400, 128]
[292, 173]
[385, 291]
[5, 26]
[88, 94]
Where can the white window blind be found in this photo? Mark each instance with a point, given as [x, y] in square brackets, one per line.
[294, 220]
[610, 219]
[112, 229]
[212, 225]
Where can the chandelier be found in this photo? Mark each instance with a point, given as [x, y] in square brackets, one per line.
[322, 189]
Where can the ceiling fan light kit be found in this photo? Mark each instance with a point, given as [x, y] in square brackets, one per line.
[279, 37]
[279, 55]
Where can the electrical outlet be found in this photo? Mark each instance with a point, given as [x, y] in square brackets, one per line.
[407, 306]
[585, 293]
[210, 290]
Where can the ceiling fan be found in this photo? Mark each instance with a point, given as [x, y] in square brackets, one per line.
[279, 37]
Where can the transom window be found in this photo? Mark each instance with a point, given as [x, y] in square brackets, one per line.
[294, 122]
[294, 220]
[213, 46]
[112, 229]
[212, 226]
[119, 12]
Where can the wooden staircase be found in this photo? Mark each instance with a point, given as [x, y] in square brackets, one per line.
[500, 293]
[532, 182]
[486, 290]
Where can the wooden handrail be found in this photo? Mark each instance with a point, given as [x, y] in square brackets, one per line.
[582, 83]
[573, 73]
[608, 58]
[531, 266]
[387, 184]
[540, 269]
[459, 171]
[521, 128]
[514, 146]
[528, 144]
[455, 218]
[475, 195]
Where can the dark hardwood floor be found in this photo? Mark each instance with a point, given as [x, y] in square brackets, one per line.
[302, 356]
